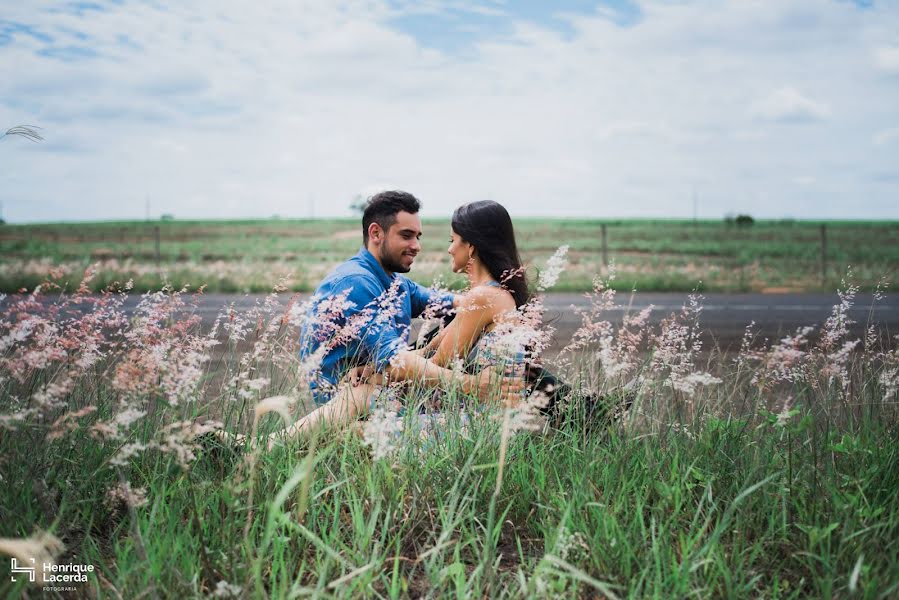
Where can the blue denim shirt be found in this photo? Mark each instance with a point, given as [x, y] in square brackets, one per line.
[378, 315]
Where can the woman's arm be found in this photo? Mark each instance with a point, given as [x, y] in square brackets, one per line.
[475, 312]
[428, 349]
[407, 365]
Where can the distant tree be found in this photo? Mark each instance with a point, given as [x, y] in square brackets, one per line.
[729, 219]
[744, 221]
[167, 217]
[358, 204]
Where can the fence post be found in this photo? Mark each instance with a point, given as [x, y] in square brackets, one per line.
[156, 233]
[823, 254]
[605, 248]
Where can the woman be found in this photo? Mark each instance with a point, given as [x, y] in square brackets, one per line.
[482, 245]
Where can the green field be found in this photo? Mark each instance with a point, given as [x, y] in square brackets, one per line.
[241, 256]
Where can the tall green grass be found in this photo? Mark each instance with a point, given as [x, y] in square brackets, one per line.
[759, 486]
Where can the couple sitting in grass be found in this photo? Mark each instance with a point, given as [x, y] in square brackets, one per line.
[357, 329]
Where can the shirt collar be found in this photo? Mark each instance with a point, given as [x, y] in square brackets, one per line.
[371, 263]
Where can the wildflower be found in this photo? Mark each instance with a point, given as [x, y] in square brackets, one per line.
[549, 276]
[6, 421]
[252, 387]
[137, 373]
[593, 326]
[570, 544]
[519, 334]
[89, 355]
[89, 273]
[889, 377]
[620, 356]
[310, 367]
[223, 589]
[19, 332]
[784, 416]
[51, 394]
[684, 429]
[527, 416]
[457, 366]
[677, 345]
[113, 430]
[66, 422]
[837, 325]
[389, 303]
[745, 353]
[127, 495]
[837, 363]
[182, 371]
[382, 432]
[278, 404]
[126, 452]
[687, 384]
[181, 439]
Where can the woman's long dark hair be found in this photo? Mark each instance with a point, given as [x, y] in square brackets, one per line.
[486, 225]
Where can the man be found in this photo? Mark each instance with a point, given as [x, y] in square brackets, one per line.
[361, 314]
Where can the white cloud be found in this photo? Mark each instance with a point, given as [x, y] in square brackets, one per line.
[886, 136]
[226, 110]
[787, 105]
[887, 59]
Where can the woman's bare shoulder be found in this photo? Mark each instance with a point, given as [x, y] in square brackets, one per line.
[486, 298]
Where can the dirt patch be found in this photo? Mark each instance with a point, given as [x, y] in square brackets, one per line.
[346, 234]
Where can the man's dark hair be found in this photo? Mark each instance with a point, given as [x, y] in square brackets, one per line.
[382, 208]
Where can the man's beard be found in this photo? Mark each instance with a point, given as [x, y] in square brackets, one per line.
[391, 263]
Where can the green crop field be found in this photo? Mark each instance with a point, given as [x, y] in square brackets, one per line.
[240, 256]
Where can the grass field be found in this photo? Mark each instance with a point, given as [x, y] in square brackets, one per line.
[771, 474]
[239, 256]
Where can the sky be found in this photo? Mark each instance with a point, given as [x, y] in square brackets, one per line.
[620, 108]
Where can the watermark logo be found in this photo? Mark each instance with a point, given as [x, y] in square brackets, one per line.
[50, 573]
[15, 568]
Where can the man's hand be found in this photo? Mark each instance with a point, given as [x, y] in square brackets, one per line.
[494, 383]
[359, 375]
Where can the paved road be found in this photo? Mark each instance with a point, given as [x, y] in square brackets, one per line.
[724, 316]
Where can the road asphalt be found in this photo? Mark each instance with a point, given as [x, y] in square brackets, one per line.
[724, 317]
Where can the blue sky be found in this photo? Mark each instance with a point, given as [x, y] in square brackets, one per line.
[456, 28]
[599, 109]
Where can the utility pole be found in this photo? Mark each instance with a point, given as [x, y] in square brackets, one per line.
[695, 207]
[147, 208]
[605, 247]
